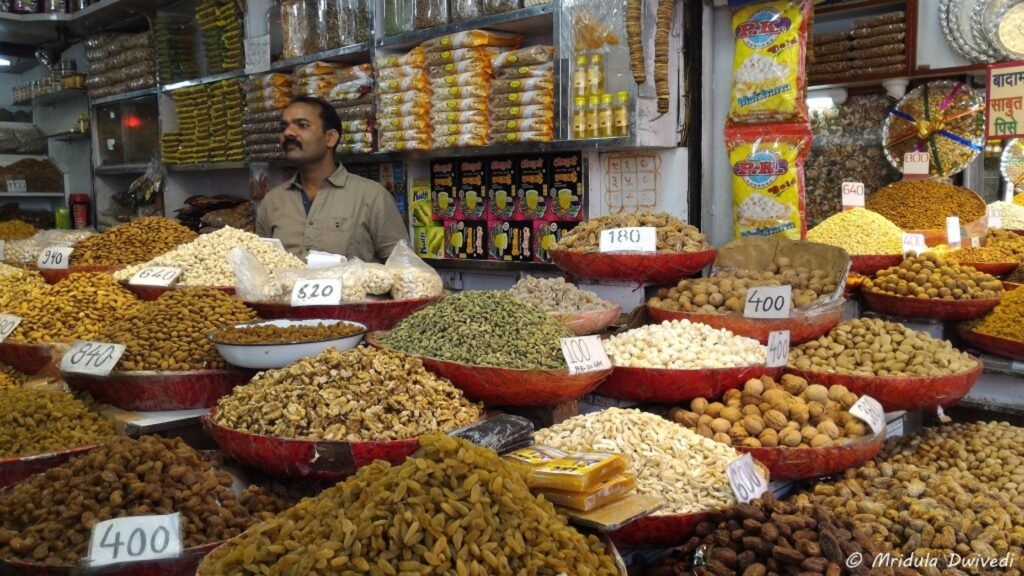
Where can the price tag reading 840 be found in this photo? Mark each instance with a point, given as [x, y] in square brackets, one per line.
[135, 539]
[768, 302]
[871, 412]
[8, 324]
[54, 258]
[778, 349]
[94, 358]
[746, 480]
[643, 239]
[317, 292]
[585, 354]
[155, 276]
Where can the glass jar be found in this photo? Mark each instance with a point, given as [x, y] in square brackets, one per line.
[55, 6]
[430, 13]
[301, 28]
[25, 6]
[398, 16]
[499, 6]
[463, 10]
[355, 22]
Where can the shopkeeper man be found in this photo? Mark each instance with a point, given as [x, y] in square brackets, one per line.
[324, 207]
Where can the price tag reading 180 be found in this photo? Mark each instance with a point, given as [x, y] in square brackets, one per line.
[317, 292]
[746, 480]
[135, 539]
[94, 358]
[155, 276]
[8, 324]
[585, 354]
[643, 239]
[768, 302]
[871, 412]
[778, 349]
[54, 258]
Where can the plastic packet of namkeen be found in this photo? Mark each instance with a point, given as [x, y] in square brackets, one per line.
[417, 82]
[439, 85]
[471, 38]
[361, 137]
[356, 126]
[346, 91]
[388, 74]
[441, 130]
[399, 98]
[522, 85]
[403, 146]
[272, 93]
[462, 54]
[517, 137]
[415, 58]
[314, 86]
[461, 141]
[463, 105]
[404, 123]
[461, 92]
[319, 69]
[466, 117]
[543, 97]
[402, 135]
[403, 110]
[767, 165]
[523, 125]
[267, 81]
[513, 112]
[768, 76]
[540, 71]
[480, 66]
[357, 148]
[529, 56]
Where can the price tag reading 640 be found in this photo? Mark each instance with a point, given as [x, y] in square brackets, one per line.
[585, 354]
[768, 302]
[54, 258]
[317, 292]
[156, 276]
[95, 358]
[135, 539]
[746, 480]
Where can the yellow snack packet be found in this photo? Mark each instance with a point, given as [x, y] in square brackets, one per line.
[577, 472]
[604, 493]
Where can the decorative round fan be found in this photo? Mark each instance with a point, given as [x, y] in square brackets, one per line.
[1012, 164]
[943, 118]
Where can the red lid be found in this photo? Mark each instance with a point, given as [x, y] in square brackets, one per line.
[78, 198]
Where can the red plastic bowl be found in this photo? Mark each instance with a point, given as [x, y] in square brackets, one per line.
[16, 469]
[593, 322]
[901, 392]
[660, 531]
[1008, 286]
[993, 344]
[154, 292]
[802, 327]
[26, 358]
[53, 276]
[654, 268]
[871, 265]
[665, 386]
[804, 463]
[301, 458]
[907, 307]
[375, 315]
[993, 268]
[153, 391]
[507, 386]
[184, 566]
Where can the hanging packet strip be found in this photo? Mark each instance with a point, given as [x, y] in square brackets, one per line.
[768, 76]
[767, 165]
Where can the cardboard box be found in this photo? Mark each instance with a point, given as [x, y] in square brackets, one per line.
[471, 189]
[429, 241]
[465, 239]
[422, 213]
[444, 201]
[532, 186]
[501, 188]
[511, 241]
[566, 192]
[546, 235]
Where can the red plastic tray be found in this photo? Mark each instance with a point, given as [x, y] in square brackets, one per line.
[870, 265]
[507, 386]
[26, 358]
[932, 308]
[594, 322]
[993, 344]
[901, 392]
[665, 386]
[802, 327]
[660, 531]
[14, 470]
[656, 268]
[300, 458]
[375, 315]
[154, 292]
[804, 463]
[153, 391]
[184, 566]
[1008, 286]
[993, 268]
[53, 276]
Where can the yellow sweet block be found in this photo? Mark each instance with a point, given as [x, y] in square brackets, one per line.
[577, 472]
[526, 460]
[601, 495]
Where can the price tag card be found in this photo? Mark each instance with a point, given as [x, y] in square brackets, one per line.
[870, 411]
[3, 250]
[8, 323]
[54, 258]
[257, 54]
[853, 195]
[156, 276]
[953, 231]
[914, 243]
[629, 240]
[273, 242]
[778, 349]
[93, 358]
[135, 539]
[317, 292]
[915, 165]
[768, 302]
[994, 219]
[585, 354]
[746, 480]
[17, 186]
[975, 242]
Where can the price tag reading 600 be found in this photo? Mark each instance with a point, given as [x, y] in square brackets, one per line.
[135, 539]
[317, 292]
[746, 480]
[768, 302]
[95, 358]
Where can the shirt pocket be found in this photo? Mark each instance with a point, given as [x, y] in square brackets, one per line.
[335, 234]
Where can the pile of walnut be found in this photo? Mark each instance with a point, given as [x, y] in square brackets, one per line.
[789, 413]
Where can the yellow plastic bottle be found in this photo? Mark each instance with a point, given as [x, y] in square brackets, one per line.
[592, 106]
[595, 75]
[580, 76]
[605, 127]
[621, 114]
[579, 118]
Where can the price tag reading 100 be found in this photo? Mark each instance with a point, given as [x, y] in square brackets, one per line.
[585, 354]
[135, 539]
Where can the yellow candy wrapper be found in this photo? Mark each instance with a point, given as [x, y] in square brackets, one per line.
[767, 164]
[768, 71]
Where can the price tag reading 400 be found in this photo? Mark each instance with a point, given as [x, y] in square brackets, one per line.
[135, 539]
[746, 480]
[914, 243]
[870, 411]
[643, 239]
[155, 276]
[54, 258]
[778, 349]
[768, 302]
[317, 292]
[95, 358]
[585, 354]
[8, 324]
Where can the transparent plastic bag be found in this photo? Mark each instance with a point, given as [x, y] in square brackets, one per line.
[350, 274]
[377, 279]
[442, 130]
[461, 141]
[412, 277]
[267, 81]
[478, 66]
[429, 13]
[463, 10]
[405, 146]
[253, 282]
[360, 112]
[397, 73]
[347, 91]
[412, 135]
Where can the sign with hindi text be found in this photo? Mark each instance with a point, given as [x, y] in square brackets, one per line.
[1005, 94]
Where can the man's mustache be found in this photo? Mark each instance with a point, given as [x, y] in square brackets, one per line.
[291, 141]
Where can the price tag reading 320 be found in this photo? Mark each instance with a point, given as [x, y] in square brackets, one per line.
[768, 302]
[778, 349]
[54, 258]
[585, 354]
[94, 358]
[135, 539]
[155, 276]
[643, 239]
[8, 324]
[870, 411]
[317, 292]
[746, 480]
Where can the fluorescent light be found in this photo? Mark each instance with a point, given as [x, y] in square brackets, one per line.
[4, 61]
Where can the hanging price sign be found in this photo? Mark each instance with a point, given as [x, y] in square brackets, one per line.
[643, 239]
[871, 412]
[915, 165]
[585, 354]
[953, 231]
[746, 480]
[853, 195]
[914, 244]
[768, 302]
[135, 539]
[8, 323]
[778, 349]
[93, 358]
[156, 276]
[317, 292]
[54, 258]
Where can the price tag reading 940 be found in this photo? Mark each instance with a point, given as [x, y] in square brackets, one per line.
[155, 276]
[853, 195]
[643, 239]
[585, 354]
[871, 412]
[135, 539]
[768, 302]
[746, 480]
[317, 292]
[915, 165]
[778, 349]
[8, 324]
[54, 258]
[914, 243]
[93, 358]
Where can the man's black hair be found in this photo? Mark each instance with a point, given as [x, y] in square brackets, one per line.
[328, 115]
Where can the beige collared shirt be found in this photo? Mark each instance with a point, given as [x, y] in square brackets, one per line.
[350, 215]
